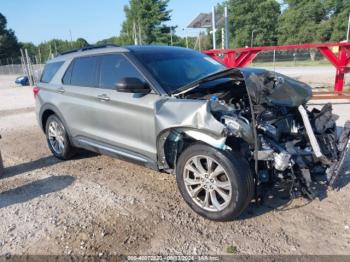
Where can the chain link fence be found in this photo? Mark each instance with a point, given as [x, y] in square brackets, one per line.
[22, 66]
[291, 57]
[17, 69]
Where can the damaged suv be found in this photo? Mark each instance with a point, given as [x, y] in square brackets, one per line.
[224, 132]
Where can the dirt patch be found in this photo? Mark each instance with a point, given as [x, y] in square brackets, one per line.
[97, 205]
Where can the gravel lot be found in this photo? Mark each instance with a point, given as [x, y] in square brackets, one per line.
[97, 205]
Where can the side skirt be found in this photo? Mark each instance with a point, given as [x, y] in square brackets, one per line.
[115, 152]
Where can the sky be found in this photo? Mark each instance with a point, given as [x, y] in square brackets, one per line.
[41, 20]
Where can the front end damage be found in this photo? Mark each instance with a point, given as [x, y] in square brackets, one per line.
[264, 117]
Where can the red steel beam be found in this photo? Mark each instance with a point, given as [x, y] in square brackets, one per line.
[240, 57]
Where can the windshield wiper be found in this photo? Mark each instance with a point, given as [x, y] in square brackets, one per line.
[207, 78]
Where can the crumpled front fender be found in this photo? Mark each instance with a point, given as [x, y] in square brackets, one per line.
[190, 117]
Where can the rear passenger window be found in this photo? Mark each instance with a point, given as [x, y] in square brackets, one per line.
[84, 71]
[115, 67]
[49, 71]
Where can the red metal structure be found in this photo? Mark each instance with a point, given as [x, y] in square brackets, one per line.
[240, 57]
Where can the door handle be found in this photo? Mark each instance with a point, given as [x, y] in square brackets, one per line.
[60, 90]
[103, 97]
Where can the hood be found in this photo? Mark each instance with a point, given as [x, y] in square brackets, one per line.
[273, 88]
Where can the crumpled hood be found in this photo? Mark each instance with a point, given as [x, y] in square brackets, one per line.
[263, 88]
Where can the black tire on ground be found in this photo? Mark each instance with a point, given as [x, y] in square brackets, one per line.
[236, 168]
[69, 151]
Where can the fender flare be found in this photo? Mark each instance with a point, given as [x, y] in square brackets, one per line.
[53, 108]
[195, 134]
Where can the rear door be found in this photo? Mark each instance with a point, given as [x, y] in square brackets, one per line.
[125, 120]
[79, 92]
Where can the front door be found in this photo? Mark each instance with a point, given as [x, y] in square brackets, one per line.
[125, 120]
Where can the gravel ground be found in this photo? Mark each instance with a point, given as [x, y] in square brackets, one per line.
[97, 205]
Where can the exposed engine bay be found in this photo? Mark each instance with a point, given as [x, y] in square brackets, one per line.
[268, 122]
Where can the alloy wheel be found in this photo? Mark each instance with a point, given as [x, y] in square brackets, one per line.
[56, 137]
[207, 183]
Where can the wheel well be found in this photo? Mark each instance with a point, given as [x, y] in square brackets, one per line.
[176, 142]
[45, 116]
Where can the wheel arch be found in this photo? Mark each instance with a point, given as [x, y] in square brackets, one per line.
[178, 139]
[46, 111]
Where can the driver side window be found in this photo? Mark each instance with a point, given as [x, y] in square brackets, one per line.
[113, 68]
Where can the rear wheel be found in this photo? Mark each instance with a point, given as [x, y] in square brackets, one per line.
[216, 184]
[57, 139]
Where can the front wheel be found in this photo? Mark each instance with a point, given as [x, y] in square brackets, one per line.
[216, 184]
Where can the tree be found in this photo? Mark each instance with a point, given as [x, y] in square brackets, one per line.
[80, 42]
[32, 49]
[253, 16]
[144, 20]
[339, 11]
[303, 21]
[9, 46]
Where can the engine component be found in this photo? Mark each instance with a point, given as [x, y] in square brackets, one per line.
[240, 127]
[324, 118]
[282, 161]
[310, 133]
[266, 154]
[264, 176]
[270, 130]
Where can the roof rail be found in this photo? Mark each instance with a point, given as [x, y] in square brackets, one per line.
[88, 47]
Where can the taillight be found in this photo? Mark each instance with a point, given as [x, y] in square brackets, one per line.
[36, 91]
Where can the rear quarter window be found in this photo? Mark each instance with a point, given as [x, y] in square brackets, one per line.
[49, 71]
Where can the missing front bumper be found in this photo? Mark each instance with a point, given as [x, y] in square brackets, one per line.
[343, 146]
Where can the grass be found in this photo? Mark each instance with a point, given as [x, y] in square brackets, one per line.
[322, 62]
[231, 249]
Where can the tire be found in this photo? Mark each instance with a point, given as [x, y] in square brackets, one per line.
[235, 184]
[67, 151]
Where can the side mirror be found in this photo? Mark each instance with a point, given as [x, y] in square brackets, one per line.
[132, 85]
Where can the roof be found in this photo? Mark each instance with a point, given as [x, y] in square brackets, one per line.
[88, 50]
[94, 50]
[152, 48]
[204, 20]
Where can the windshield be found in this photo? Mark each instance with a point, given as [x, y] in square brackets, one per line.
[176, 67]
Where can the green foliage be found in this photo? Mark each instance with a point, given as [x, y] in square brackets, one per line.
[338, 22]
[231, 249]
[260, 16]
[9, 46]
[145, 18]
[307, 21]
[45, 50]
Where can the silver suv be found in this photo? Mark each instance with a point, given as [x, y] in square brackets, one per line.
[227, 133]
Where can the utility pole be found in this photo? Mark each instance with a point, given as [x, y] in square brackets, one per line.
[54, 42]
[183, 29]
[39, 55]
[171, 35]
[227, 34]
[140, 32]
[252, 38]
[200, 41]
[71, 38]
[223, 40]
[24, 64]
[30, 69]
[213, 27]
[134, 33]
